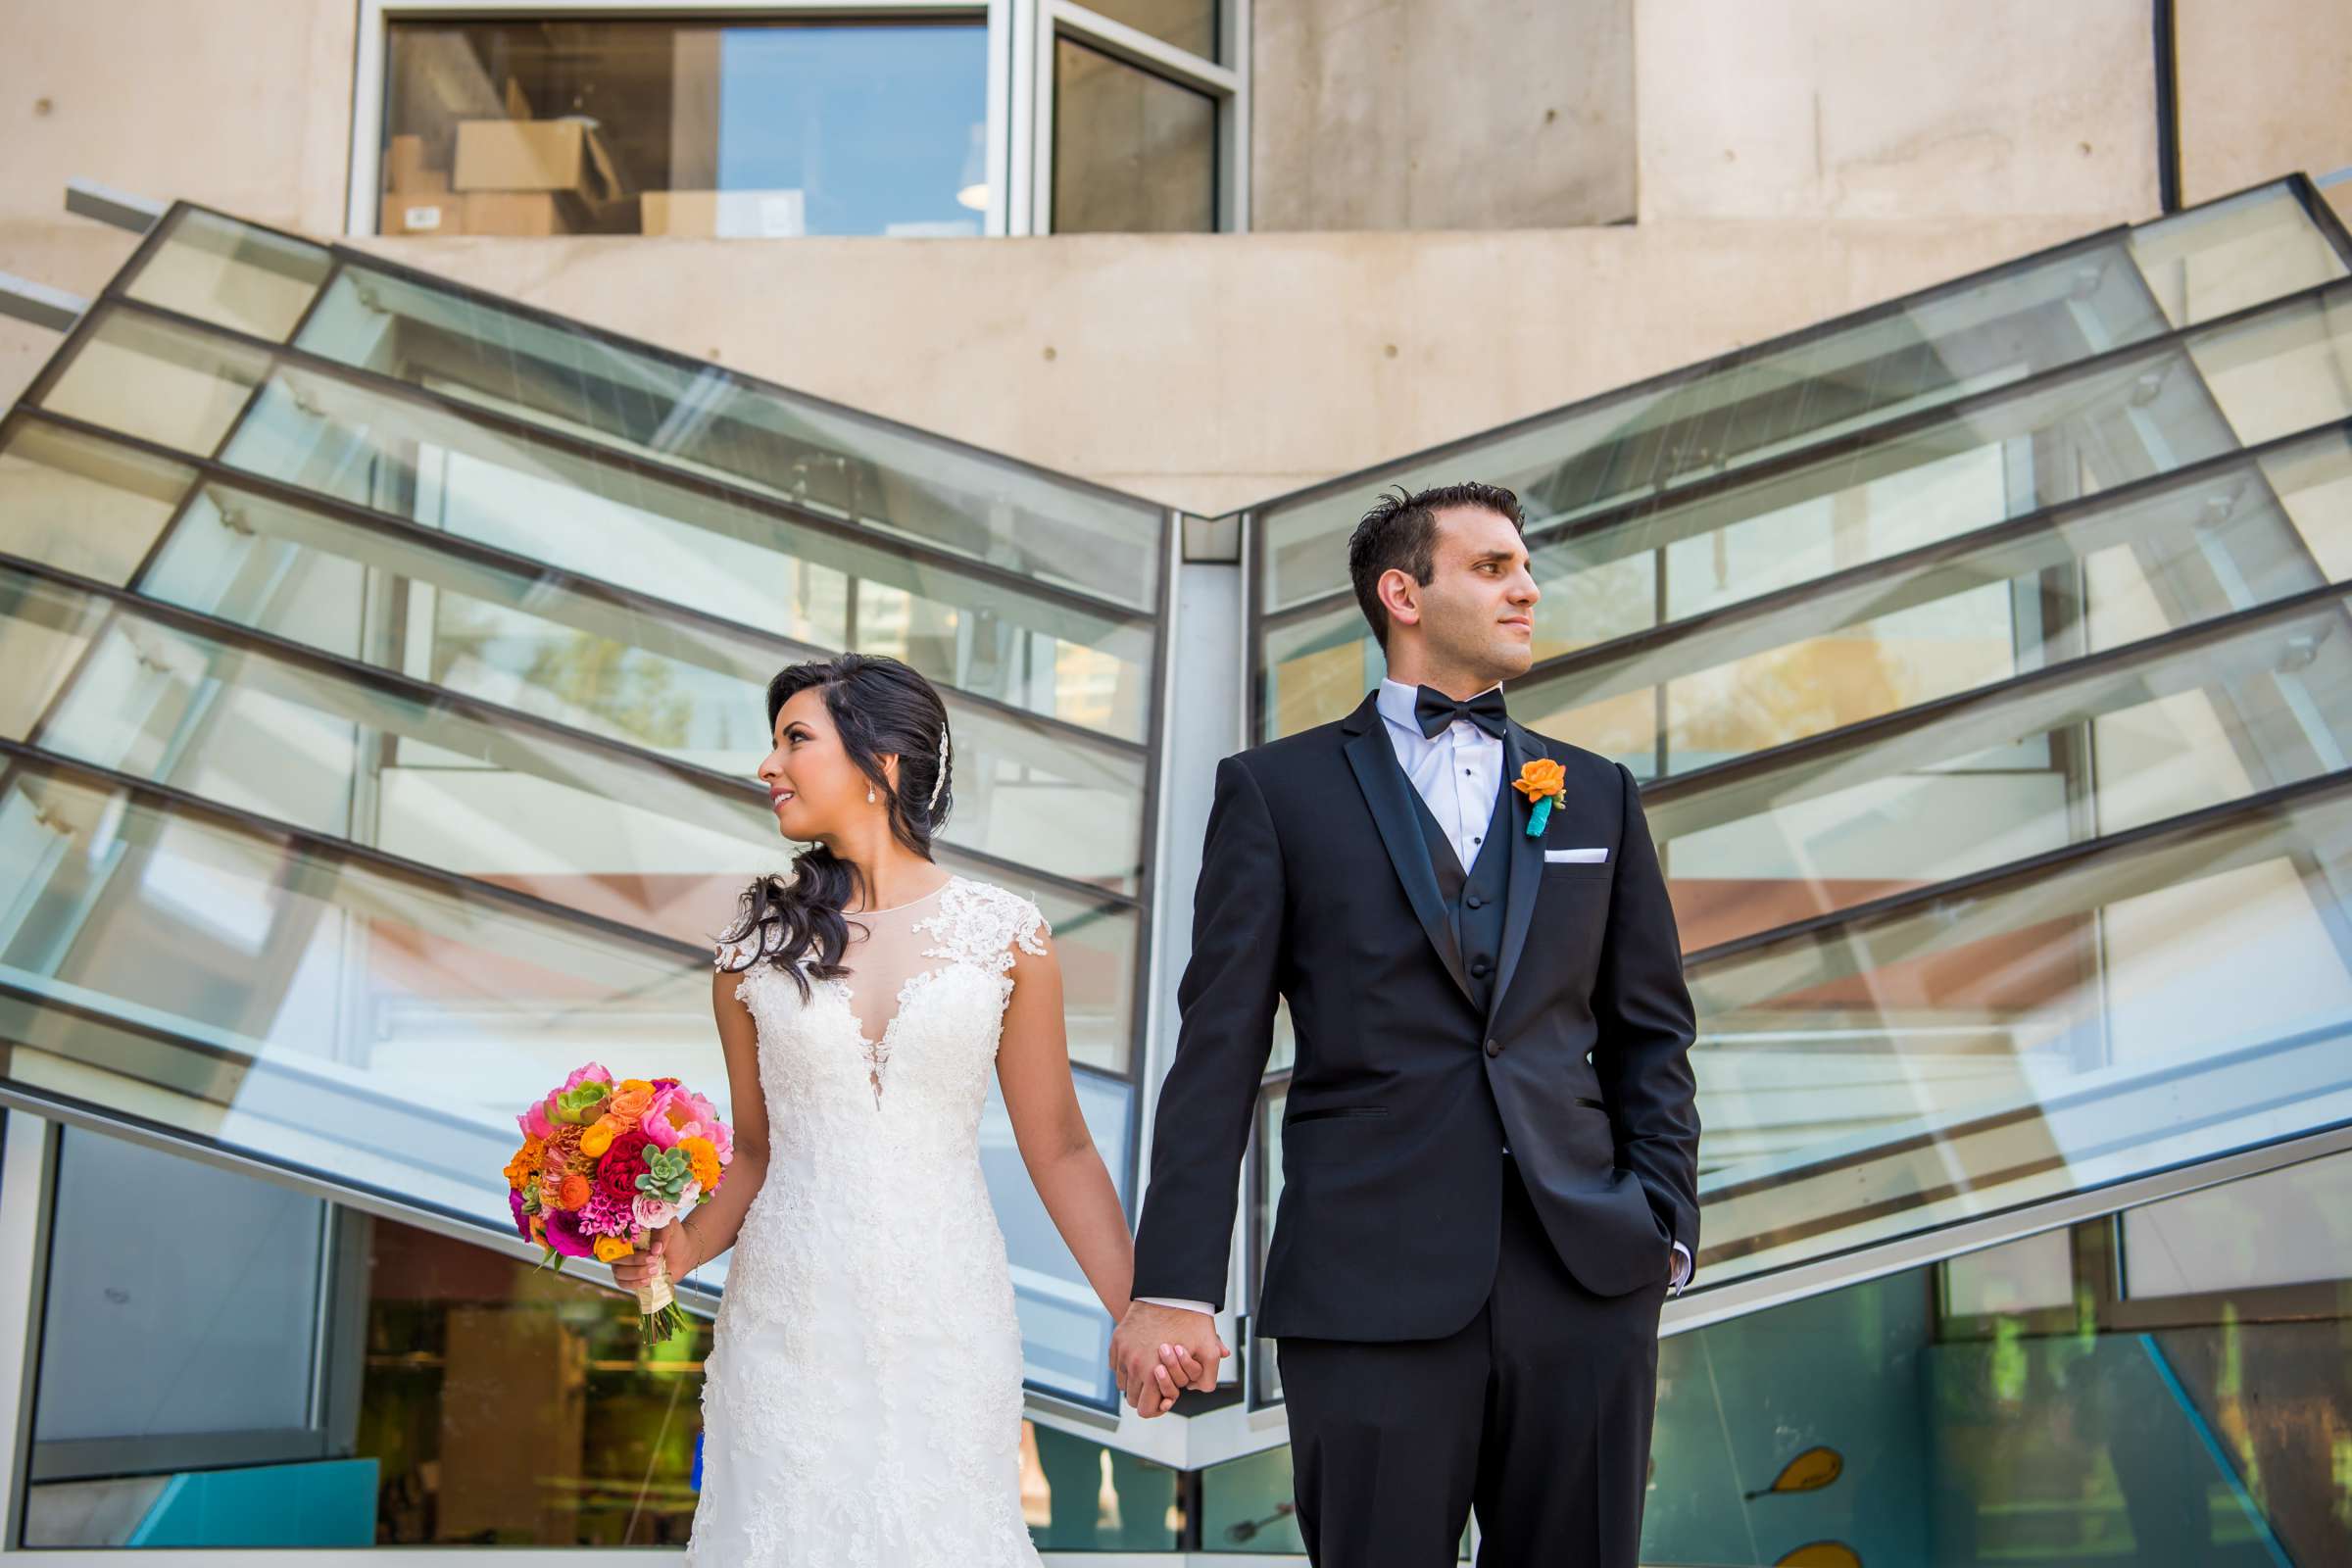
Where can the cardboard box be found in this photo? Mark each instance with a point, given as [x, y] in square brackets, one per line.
[409, 212]
[725, 214]
[534, 155]
[404, 163]
[516, 211]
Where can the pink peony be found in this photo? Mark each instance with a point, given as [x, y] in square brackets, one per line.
[581, 1075]
[522, 1222]
[563, 1233]
[534, 1122]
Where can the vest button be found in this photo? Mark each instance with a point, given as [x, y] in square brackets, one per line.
[1493, 1047]
[1474, 900]
[1478, 968]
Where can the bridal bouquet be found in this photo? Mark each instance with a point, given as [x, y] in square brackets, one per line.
[604, 1165]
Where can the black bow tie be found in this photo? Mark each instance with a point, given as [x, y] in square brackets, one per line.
[1435, 709]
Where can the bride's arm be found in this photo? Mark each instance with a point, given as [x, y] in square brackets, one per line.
[714, 1221]
[1033, 1066]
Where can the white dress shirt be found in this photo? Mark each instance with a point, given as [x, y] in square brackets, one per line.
[1457, 774]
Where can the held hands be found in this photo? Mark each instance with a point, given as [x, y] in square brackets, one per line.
[677, 1250]
[1159, 1350]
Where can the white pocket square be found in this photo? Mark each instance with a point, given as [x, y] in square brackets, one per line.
[1588, 856]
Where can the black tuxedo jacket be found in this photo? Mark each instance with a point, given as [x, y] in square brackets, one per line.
[1316, 886]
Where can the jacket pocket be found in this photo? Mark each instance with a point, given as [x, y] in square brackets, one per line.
[1333, 1111]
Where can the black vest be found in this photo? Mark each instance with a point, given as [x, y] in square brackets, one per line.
[1474, 899]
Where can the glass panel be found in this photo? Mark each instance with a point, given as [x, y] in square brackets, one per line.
[278, 999]
[2059, 443]
[232, 274]
[1189, 25]
[1874, 1425]
[1247, 1507]
[758, 129]
[697, 417]
[603, 831]
[1999, 328]
[474, 1397]
[1133, 153]
[685, 688]
[83, 505]
[2150, 1003]
[2226, 255]
[1062, 1322]
[2286, 1227]
[819, 586]
[1099, 1498]
[157, 380]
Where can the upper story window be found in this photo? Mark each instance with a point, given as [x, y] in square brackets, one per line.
[760, 128]
[918, 118]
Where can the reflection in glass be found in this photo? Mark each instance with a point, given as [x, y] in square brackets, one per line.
[2160, 409]
[1693, 426]
[83, 505]
[1189, 25]
[1915, 1419]
[823, 458]
[2128, 1007]
[751, 129]
[1133, 153]
[445, 783]
[247, 280]
[153, 379]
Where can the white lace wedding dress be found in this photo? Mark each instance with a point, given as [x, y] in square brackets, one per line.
[861, 1402]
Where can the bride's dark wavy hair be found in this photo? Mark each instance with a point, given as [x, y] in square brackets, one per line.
[880, 706]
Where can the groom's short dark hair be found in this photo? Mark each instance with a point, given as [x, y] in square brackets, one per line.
[1401, 531]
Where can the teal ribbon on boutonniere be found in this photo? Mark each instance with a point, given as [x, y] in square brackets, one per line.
[1543, 781]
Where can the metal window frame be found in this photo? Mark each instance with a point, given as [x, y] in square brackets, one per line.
[1019, 90]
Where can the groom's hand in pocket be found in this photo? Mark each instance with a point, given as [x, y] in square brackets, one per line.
[1159, 1351]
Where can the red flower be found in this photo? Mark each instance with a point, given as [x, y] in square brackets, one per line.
[622, 1164]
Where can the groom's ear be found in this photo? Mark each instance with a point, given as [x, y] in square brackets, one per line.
[1400, 595]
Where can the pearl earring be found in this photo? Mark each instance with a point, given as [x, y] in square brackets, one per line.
[869, 792]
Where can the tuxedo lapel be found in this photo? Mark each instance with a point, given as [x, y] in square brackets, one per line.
[1389, 794]
[1519, 748]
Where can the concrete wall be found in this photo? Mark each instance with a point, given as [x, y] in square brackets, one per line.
[1441, 114]
[2264, 85]
[1804, 163]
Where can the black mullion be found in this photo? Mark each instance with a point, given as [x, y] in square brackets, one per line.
[491, 715]
[2042, 519]
[2032, 868]
[636, 466]
[468, 294]
[393, 526]
[1855, 441]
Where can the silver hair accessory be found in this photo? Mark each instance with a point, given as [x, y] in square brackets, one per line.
[941, 782]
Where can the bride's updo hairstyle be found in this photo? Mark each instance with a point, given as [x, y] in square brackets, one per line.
[881, 708]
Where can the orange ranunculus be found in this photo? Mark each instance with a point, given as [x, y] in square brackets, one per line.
[597, 1137]
[1540, 777]
[525, 1163]
[702, 1160]
[575, 1191]
[609, 1248]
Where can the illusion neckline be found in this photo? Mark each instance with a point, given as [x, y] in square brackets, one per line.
[908, 904]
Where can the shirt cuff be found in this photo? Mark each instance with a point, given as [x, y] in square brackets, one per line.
[1682, 1269]
[1202, 1307]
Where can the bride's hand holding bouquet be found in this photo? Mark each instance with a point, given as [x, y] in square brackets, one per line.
[609, 1170]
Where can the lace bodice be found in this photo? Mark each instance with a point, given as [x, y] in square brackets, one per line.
[863, 1399]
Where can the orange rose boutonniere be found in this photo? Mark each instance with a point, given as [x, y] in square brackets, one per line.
[1541, 781]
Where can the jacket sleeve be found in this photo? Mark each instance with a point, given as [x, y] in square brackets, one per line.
[1647, 1029]
[1226, 1001]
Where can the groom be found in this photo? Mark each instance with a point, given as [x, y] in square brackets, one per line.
[1489, 1144]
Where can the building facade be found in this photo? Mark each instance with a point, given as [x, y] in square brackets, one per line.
[431, 429]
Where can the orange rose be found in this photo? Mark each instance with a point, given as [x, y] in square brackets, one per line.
[1542, 777]
[629, 1103]
[609, 1248]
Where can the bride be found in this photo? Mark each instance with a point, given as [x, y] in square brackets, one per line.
[861, 1400]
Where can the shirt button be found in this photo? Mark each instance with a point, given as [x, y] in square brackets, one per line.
[1493, 1047]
